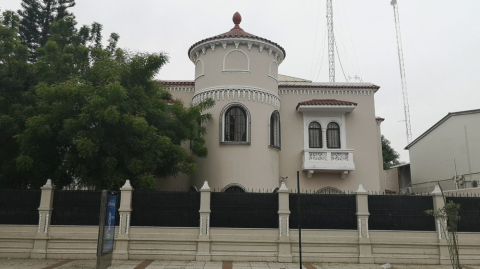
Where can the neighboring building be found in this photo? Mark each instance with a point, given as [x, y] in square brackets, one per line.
[398, 179]
[268, 126]
[448, 153]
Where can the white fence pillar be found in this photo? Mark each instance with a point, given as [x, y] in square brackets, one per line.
[364, 243]
[44, 218]
[124, 212]
[203, 242]
[284, 244]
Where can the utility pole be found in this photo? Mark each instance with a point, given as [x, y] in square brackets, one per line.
[402, 71]
[331, 42]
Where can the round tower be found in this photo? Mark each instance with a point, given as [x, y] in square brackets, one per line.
[239, 71]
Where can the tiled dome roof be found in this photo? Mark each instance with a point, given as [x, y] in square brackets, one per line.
[236, 31]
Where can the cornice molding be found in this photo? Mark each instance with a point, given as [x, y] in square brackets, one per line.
[269, 48]
[237, 93]
[295, 91]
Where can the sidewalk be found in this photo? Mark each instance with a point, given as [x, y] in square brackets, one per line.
[149, 264]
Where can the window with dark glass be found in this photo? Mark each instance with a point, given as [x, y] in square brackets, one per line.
[314, 135]
[235, 125]
[333, 136]
[275, 130]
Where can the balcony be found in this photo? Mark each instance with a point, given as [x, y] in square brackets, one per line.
[317, 160]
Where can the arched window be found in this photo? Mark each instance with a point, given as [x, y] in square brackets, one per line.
[234, 187]
[314, 135]
[333, 136]
[235, 125]
[275, 130]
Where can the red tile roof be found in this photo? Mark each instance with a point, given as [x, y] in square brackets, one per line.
[370, 86]
[236, 32]
[178, 83]
[325, 102]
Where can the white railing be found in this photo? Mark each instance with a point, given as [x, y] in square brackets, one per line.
[328, 159]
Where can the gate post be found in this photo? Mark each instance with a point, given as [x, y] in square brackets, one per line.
[364, 243]
[438, 202]
[125, 210]
[284, 244]
[44, 217]
[203, 242]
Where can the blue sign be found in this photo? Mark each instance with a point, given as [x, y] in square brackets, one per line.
[109, 230]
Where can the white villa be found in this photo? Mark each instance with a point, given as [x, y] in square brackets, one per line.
[267, 126]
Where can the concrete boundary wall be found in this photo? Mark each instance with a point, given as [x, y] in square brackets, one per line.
[43, 241]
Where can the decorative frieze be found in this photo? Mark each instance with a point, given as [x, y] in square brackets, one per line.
[208, 225]
[46, 223]
[238, 94]
[181, 89]
[39, 221]
[317, 156]
[366, 227]
[270, 48]
[439, 229]
[120, 224]
[338, 156]
[288, 226]
[294, 91]
[360, 228]
[280, 225]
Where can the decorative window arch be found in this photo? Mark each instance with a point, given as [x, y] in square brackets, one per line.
[235, 125]
[329, 190]
[333, 135]
[236, 61]
[314, 135]
[234, 187]
[199, 69]
[193, 189]
[273, 70]
[275, 135]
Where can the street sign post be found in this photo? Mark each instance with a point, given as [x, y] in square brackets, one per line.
[106, 231]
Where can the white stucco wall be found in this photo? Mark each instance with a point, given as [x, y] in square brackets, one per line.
[432, 157]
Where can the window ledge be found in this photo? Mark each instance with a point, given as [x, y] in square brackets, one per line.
[275, 147]
[235, 71]
[235, 143]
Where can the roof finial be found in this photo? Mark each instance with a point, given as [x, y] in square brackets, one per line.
[237, 19]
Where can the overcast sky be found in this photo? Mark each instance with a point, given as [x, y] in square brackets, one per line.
[441, 43]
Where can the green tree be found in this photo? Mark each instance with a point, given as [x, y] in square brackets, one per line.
[100, 118]
[35, 19]
[16, 78]
[390, 156]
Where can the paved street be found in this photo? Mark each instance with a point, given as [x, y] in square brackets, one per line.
[149, 264]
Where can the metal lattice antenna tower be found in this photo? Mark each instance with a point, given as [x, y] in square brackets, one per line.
[331, 42]
[402, 71]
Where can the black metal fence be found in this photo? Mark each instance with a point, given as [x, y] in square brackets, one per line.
[323, 211]
[78, 207]
[244, 210]
[400, 212]
[167, 209]
[19, 206]
[469, 213]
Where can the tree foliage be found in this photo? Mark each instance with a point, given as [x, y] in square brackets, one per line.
[94, 115]
[16, 77]
[390, 156]
[35, 19]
